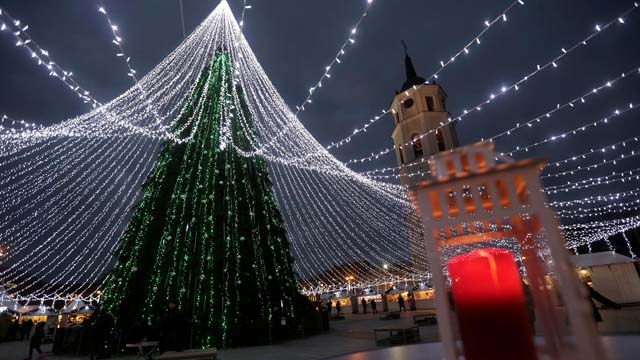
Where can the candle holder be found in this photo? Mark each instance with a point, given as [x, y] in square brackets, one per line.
[500, 268]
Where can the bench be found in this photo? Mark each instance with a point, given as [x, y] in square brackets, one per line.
[390, 315]
[425, 319]
[396, 336]
[337, 317]
[190, 354]
[145, 348]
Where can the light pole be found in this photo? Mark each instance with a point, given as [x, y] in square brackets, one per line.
[349, 278]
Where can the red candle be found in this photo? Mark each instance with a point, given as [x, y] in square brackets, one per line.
[490, 306]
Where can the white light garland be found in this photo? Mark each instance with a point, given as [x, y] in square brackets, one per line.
[42, 58]
[503, 90]
[351, 39]
[465, 50]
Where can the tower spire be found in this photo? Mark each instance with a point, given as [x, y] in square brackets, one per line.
[410, 70]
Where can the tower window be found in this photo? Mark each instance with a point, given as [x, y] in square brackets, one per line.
[430, 106]
[440, 140]
[417, 145]
[400, 156]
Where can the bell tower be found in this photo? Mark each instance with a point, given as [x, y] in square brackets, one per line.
[419, 111]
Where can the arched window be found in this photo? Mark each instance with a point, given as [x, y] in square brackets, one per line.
[417, 145]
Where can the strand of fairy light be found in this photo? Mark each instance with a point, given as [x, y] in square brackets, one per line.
[47, 162]
[602, 121]
[8, 124]
[117, 40]
[307, 145]
[464, 50]
[626, 239]
[504, 90]
[105, 262]
[585, 234]
[54, 153]
[245, 7]
[131, 187]
[261, 94]
[271, 109]
[599, 211]
[19, 31]
[620, 144]
[336, 59]
[556, 164]
[69, 128]
[73, 133]
[614, 161]
[621, 176]
[571, 104]
[530, 123]
[476, 41]
[277, 181]
[114, 244]
[593, 199]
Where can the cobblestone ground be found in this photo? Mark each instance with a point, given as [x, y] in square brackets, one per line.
[353, 334]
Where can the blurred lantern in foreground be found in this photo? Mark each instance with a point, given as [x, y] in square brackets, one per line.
[490, 236]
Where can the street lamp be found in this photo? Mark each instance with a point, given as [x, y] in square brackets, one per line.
[349, 278]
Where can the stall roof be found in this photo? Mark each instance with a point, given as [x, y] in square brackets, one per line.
[74, 305]
[599, 259]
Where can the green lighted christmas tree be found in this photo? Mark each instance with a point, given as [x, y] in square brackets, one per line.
[207, 234]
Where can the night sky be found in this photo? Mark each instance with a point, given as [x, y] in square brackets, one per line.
[294, 40]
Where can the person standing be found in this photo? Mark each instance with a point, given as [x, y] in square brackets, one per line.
[329, 306]
[173, 329]
[412, 303]
[364, 305]
[401, 303]
[374, 307]
[100, 328]
[25, 330]
[338, 307]
[36, 341]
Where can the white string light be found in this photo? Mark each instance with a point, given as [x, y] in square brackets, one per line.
[245, 7]
[42, 58]
[336, 59]
[465, 50]
[626, 239]
[569, 105]
[623, 176]
[595, 199]
[67, 189]
[603, 121]
[503, 90]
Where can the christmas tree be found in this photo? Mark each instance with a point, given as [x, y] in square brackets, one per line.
[207, 233]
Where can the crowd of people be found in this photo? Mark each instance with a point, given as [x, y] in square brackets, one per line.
[370, 304]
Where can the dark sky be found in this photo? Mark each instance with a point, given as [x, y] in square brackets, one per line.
[295, 39]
